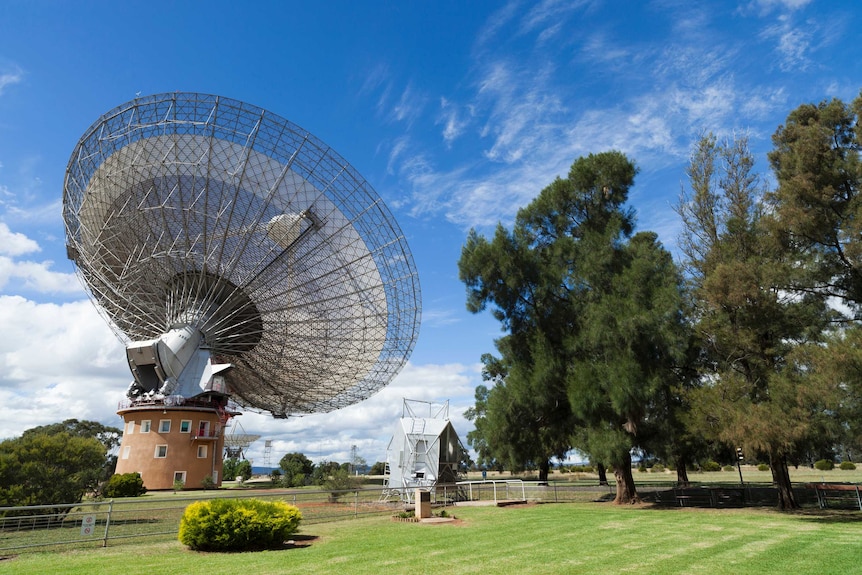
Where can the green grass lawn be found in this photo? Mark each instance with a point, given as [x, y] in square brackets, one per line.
[534, 539]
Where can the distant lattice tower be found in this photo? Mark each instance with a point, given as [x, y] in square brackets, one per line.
[246, 263]
[267, 453]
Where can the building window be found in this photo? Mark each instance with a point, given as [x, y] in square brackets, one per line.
[161, 451]
[126, 450]
[180, 476]
[145, 426]
[202, 451]
[130, 427]
[165, 426]
[204, 429]
[186, 426]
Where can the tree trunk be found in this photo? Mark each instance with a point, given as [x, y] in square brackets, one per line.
[603, 474]
[682, 472]
[544, 470]
[781, 479]
[626, 491]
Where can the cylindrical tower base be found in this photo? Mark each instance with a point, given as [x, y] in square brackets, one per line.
[173, 444]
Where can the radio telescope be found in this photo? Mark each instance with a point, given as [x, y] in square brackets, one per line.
[238, 257]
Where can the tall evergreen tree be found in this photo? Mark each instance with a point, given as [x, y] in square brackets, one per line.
[818, 211]
[817, 202]
[592, 314]
[754, 394]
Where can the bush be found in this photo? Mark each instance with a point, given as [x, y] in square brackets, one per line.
[824, 465]
[762, 467]
[275, 477]
[208, 482]
[658, 468]
[237, 524]
[711, 466]
[847, 466]
[727, 468]
[124, 485]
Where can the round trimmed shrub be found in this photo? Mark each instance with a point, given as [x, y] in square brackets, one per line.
[824, 465]
[728, 468]
[124, 485]
[762, 467]
[237, 524]
[847, 466]
[711, 466]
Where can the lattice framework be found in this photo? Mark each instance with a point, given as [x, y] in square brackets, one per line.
[186, 208]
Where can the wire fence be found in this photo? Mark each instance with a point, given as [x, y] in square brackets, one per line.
[111, 522]
[117, 522]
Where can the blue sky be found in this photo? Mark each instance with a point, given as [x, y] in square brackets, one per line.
[456, 112]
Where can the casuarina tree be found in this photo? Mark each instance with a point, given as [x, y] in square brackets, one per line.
[592, 312]
[757, 391]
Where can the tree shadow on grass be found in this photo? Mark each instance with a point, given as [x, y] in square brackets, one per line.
[299, 541]
[830, 515]
[295, 542]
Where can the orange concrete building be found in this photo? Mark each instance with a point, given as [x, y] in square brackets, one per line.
[165, 442]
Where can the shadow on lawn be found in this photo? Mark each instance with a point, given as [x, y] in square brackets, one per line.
[299, 541]
[830, 515]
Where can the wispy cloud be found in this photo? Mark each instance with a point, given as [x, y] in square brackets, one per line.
[495, 23]
[549, 14]
[523, 110]
[10, 77]
[792, 43]
[781, 4]
[453, 120]
[538, 113]
[439, 317]
[409, 105]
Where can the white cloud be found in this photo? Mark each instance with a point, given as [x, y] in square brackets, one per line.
[38, 277]
[57, 361]
[62, 361]
[22, 274]
[14, 243]
[369, 424]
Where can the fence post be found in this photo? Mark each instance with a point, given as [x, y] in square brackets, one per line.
[108, 522]
[356, 503]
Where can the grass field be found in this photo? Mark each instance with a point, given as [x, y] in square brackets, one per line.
[534, 539]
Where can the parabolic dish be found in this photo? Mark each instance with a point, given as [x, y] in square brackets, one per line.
[192, 209]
